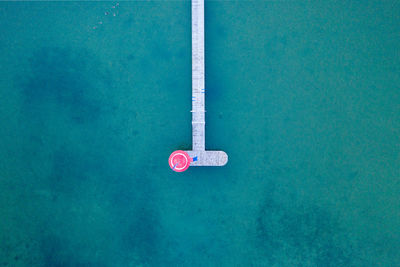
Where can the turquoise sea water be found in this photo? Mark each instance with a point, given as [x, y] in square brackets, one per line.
[304, 96]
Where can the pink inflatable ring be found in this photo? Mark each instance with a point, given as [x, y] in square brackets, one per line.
[179, 161]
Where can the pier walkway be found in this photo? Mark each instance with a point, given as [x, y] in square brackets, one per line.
[199, 156]
[204, 158]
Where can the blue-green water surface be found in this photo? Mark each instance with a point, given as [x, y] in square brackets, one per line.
[304, 96]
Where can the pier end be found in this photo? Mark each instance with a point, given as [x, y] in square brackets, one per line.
[208, 158]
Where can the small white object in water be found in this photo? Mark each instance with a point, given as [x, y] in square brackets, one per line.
[100, 22]
[114, 14]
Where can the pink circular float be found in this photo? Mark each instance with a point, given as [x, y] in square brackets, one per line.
[179, 161]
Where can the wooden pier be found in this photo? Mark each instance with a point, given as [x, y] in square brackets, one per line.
[202, 157]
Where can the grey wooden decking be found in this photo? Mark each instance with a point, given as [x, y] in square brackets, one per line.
[204, 158]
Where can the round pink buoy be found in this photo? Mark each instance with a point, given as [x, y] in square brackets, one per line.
[179, 161]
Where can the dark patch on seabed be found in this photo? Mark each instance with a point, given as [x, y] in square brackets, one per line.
[68, 77]
[137, 219]
[69, 170]
[301, 235]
